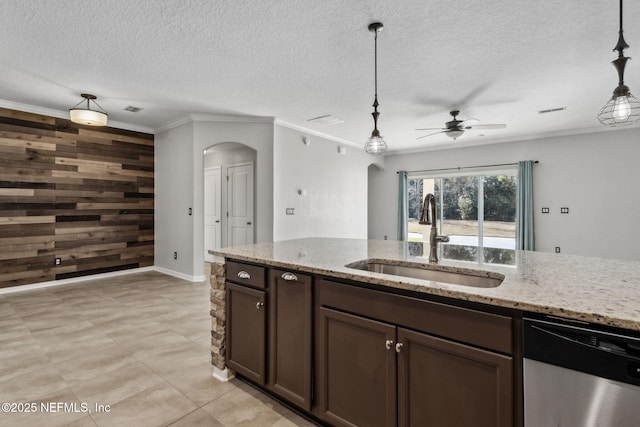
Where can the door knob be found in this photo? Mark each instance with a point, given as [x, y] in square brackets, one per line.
[249, 223]
[217, 221]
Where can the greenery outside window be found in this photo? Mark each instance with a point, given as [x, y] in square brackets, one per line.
[477, 212]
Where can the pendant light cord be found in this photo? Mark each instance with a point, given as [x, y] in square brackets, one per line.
[375, 62]
[620, 16]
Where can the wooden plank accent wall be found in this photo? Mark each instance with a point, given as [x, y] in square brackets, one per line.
[78, 193]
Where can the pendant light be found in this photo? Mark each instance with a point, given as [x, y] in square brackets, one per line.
[623, 108]
[87, 116]
[376, 143]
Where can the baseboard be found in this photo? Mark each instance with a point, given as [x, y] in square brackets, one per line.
[179, 275]
[223, 375]
[51, 283]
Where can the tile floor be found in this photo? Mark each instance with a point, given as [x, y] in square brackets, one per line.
[139, 343]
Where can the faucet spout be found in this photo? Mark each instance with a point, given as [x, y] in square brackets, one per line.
[428, 217]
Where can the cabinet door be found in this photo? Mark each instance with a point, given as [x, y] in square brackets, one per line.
[443, 383]
[290, 336]
[246, 331]
[357, 370]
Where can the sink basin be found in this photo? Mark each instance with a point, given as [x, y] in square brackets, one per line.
[435, 273]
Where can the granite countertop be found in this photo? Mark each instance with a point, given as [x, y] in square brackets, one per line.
[597, 290]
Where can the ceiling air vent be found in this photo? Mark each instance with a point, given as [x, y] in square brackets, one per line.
[327, 120]
[133, 109]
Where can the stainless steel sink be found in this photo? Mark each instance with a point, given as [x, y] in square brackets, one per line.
[464, 277]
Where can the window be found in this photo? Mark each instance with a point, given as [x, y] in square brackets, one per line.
[477, 212]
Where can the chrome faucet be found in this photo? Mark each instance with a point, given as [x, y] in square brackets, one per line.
[429, 206]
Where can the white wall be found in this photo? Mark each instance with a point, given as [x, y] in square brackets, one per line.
[595, 175]
[257, 135]
[173, 225]
[180, 185]
[335, 204]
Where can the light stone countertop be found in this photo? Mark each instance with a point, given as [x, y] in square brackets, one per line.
[597, 290]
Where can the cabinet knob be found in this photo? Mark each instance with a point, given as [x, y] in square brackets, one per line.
[388, 344]
[290, 277]
[259, 305]
[244, 275]
[399, 347]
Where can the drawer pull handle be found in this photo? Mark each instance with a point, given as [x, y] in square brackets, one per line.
[290, 277]
[244, 275]
[259, 305]
[399, 347]
[388, 344]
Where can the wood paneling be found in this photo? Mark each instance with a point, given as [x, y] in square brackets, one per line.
[73, 192]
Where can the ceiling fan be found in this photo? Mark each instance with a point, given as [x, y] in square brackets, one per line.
[455, 128]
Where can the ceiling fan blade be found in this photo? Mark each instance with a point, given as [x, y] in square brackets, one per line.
[468, 122]
[432, 129]
[424, 136]
[487, 126]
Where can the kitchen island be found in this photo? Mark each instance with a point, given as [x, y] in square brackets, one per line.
[335, 310]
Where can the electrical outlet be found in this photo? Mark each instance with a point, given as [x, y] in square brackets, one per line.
[290, 211]
[545, 210]
[58, 261]
[564, 210]
[557, 249]
[175, 255]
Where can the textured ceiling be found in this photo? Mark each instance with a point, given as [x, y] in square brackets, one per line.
[497, 61]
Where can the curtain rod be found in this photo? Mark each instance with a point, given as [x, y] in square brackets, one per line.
[465, 167]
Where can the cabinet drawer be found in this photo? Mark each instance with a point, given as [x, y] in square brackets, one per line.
[246, 274]
[488, 330]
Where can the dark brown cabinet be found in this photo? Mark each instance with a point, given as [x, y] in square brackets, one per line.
[373, 369]
[246, 332]
[357, 375]
[290, 326]
[444, 383]
[355, 356]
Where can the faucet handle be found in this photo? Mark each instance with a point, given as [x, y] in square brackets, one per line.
[443, 239]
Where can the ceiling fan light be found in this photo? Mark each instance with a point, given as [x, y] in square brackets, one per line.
[621, 110]
[455, 134]
[375, 145]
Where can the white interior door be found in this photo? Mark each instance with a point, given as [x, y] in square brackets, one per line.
[240, 204]
[212, 211]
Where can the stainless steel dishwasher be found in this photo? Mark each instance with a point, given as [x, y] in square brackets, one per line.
[577, 374]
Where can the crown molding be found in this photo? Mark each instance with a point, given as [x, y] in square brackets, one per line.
[218, 118]
[319, 134]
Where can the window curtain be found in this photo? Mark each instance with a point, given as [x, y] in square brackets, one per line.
[403, 214]
[524, 207]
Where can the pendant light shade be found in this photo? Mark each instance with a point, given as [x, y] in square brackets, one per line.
[623, 108]
[87, 116]
[376, 144]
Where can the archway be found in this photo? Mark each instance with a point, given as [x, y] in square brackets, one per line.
[229, 196]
